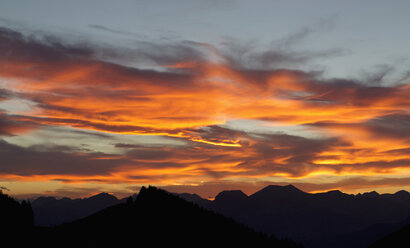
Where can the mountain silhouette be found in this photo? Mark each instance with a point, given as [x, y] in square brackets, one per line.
[156, 218]
[194, 198]
[330, 219]
[50, 211]
[229, 197]
[288, 191]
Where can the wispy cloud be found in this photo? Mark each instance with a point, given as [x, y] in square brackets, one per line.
[112, 30]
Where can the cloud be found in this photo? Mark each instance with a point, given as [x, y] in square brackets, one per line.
[115, 31]
[282, 52]
[267, 155]
[279, 56]
[9, 126]
[190, 92]
[54, 161]
[4, 94]
[17, 47]
[395, 126]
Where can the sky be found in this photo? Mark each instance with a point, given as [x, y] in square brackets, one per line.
[203, 96]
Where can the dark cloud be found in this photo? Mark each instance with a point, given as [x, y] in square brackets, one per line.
[47, 57]
[84, 124]
[378, 76]
[345, 92]
[395, 126]
[115, 31]
[282, 153]
[18, 47]
[54, 160]
[10, 126]
[51, 49]
[127, 146]
[4, 94]
[88, 133]
[265, 155]
[288, 58]
[321, 26]
[170, 53]
[281, 53]
[245, 56]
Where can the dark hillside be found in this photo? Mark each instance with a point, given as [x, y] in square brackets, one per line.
[157, 218]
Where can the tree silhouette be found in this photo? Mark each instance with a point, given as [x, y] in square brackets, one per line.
[16, 220]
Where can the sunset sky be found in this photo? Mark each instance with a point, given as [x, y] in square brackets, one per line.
[203, 96]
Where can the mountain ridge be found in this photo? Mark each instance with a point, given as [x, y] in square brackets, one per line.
[314, 219]
[157, 217]
[399, 192]
[50, 211]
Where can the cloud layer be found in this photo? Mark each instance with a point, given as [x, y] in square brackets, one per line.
[190, 93]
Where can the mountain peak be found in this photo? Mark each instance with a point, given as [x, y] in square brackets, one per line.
[285, 188]
[103, 196]
[402, 192]
[43, 200]
[231, 195]
[289, 186]
[151, 192]
[335, 193]
[278, 190]
[371, 194]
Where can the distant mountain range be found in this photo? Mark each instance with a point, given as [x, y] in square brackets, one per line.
[155, 218]
[50, 211]
[332, 219]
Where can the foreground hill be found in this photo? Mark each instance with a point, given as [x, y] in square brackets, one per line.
[397, 239]
[154, 219]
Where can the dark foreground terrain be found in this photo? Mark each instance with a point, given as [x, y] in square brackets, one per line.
[268, 218]
[155, 218]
